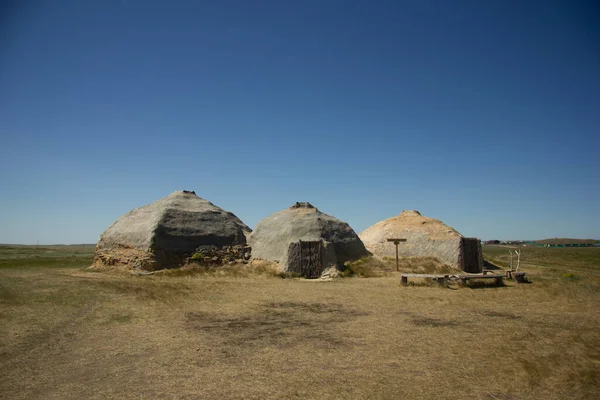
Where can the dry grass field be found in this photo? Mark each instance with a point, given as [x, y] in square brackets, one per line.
[70, 334]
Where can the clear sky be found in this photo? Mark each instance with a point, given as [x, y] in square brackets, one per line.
[484, 114]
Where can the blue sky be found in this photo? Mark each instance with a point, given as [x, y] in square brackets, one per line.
[485, 114]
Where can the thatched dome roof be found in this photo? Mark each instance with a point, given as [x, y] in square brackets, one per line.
[272, 236]
[171, 227]
[411, 220]
[408, 224]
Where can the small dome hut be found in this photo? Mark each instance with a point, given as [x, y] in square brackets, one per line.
[304, 240]
[424, 237]
[163, 234]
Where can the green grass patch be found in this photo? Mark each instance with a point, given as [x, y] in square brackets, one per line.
[72, 256]
[570, 276]
[582, 258]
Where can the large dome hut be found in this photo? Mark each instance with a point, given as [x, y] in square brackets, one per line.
[306, 241]
[163, 234]
[424, 237]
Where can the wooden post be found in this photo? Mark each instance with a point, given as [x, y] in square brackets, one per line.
[397, 266]
[396, 242]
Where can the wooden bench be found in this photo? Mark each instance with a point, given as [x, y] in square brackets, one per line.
[498, 278]
[440, 279]
[518, 275]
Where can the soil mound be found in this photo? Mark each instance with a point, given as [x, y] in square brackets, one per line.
[162, 234]
[306, 241]
[425, 237]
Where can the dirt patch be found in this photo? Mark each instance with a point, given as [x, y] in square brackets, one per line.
[433, 322]
[278, 323]
[501, 314]
[316, 308]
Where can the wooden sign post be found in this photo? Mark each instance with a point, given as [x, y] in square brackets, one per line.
[396, 242]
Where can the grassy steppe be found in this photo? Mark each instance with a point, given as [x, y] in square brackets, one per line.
[67, 334]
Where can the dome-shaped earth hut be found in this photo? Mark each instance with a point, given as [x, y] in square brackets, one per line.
[306, 241]
[424, 237]
[163, 234]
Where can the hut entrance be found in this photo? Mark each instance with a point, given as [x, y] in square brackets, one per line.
[470, 255]
[305, 258]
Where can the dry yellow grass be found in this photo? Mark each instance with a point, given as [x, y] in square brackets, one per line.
[69, 334]
[386, 266]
